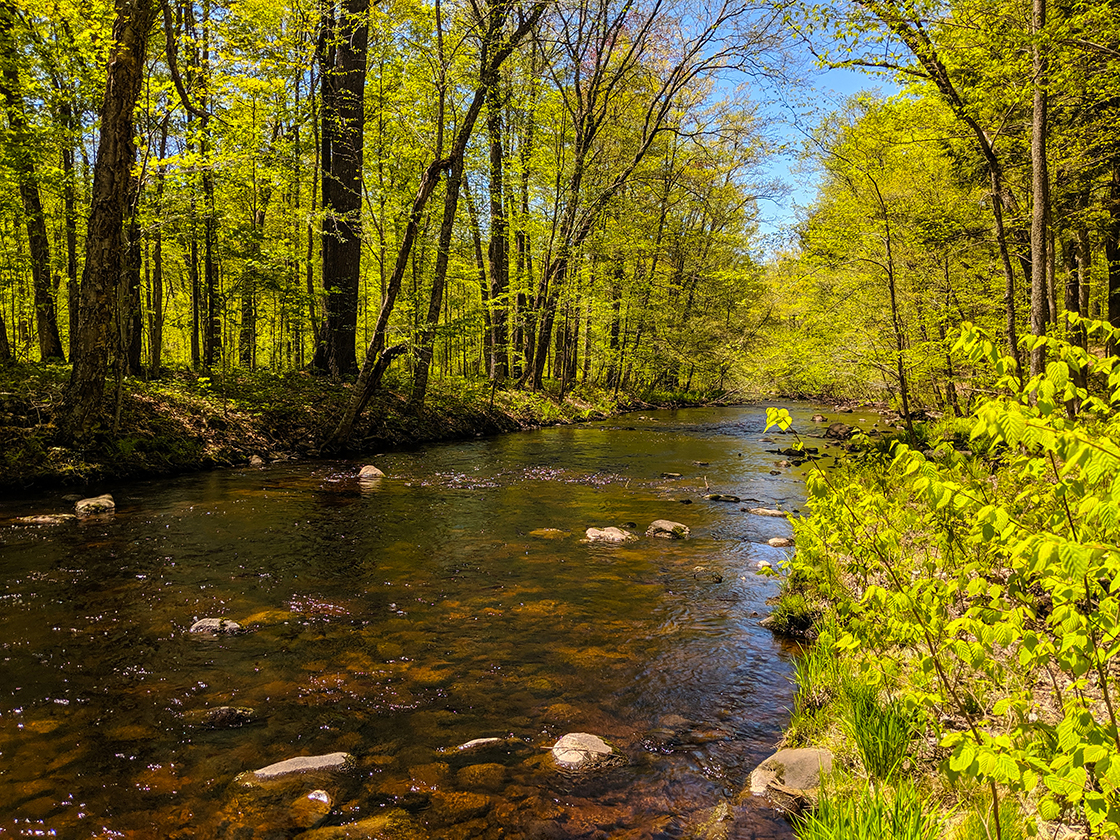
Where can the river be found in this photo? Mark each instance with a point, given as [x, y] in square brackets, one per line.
[396, 621]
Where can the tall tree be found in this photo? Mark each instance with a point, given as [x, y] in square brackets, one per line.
[343, 43]
[22, 155]
[116, 152]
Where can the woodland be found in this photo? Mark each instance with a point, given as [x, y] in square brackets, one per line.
[518, 199]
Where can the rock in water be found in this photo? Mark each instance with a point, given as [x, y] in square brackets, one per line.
[839, 431]
[330, 763]
[308, 811]
[95, 505]
[256, 461]
[215, 626]
[548, 533]
[721, 497]
[667, 530]
[791, 777]
[222, 717]
[818, 418]
[46, 519]
[779, 542]
[578, 750]
[369, 472]
[767, 512]
[609, 535]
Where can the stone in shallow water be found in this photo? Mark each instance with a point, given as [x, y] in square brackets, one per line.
[221, 717]
[95, 505]
[761, 511]
[256, 461]
[609, 535]
[580, 749]
[215, 626]
[330, 763]
[548, 533]
[668, 530]
[791, 775]
[779, 542]
[392, 825]
[476, 744]
[369, 472]
[310, 810]
[46, 519]
[481, 777]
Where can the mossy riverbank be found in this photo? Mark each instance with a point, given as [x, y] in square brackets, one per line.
[184, 422]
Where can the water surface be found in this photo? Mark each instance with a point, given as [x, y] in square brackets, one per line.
[397, 620]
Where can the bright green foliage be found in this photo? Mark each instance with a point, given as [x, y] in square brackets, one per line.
[872, 815]
[983, 590]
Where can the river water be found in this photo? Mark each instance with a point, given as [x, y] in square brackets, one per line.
[397, 620]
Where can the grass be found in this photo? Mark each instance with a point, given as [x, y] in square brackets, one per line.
[872, 813]
[881, 730]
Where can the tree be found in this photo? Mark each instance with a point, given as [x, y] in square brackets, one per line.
[116, 153]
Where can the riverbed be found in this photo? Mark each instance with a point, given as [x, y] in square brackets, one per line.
[396, 620]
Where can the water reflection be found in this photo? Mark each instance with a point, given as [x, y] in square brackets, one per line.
[395, 620]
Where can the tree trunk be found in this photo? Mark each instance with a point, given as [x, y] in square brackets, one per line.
[439, 281]
[1040, 188]
[480, 266]
[131, 328]
[22, 158]
[1112, 257]
[342, 67]
[104, 240]
[499, 236]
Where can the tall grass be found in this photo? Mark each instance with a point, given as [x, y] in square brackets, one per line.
[873, 814]
[881, 730]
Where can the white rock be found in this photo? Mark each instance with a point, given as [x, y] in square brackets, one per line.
[95, 505]
[479, 744]
[779, 542]
[768, 512]
[332, 762]
[667, 530]
[369, 472]
[762, 564]
[611, 535]
[215, 626]
[577, 749]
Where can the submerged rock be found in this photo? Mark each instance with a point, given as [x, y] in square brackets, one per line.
[395, 824]
[714, 825]
[222, 717]
[215, 627]
[581, 750]
[818, 418]
[668, 530]
[369, 472]
[609, 535]
[549, 533]
[301, 764]
[721, 497]
[95, 505]
[46, 519]
[478, 744]
[761, 511]
[839, 431]
[310, 810]
[779, 542]
[791, 777]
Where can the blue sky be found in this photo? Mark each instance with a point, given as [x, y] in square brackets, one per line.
[794, 110]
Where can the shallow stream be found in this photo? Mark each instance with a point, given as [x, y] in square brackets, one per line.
[397, 620]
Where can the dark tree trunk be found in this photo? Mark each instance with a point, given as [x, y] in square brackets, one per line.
[1040, 189]
[5, 347]
[480, 266]
[69, 204]
[342, 65]
[131, 315]
[22, 159]
[439, 281]
[104, 241]
[499, 236]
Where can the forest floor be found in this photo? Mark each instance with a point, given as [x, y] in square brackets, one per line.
[183, 422]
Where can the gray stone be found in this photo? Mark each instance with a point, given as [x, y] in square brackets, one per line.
[578, 750]
[818, 418]
[760, 511]
[721, 497]
[788, 771]
[215, 626]
[839, 431]
[608, 535]
[95, 505]
[667, 530]
[330, 763]
[477, 744]
[369, 472]
[779, 542]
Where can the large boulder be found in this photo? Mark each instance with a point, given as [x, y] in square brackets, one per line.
[581, 750]
[780, 542]
[95, 505]
[609, 535]
[668, 530]
[791, 777]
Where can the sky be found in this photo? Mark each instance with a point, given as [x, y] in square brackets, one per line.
[792, 113]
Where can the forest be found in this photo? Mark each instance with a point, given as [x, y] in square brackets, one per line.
[522, 200]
